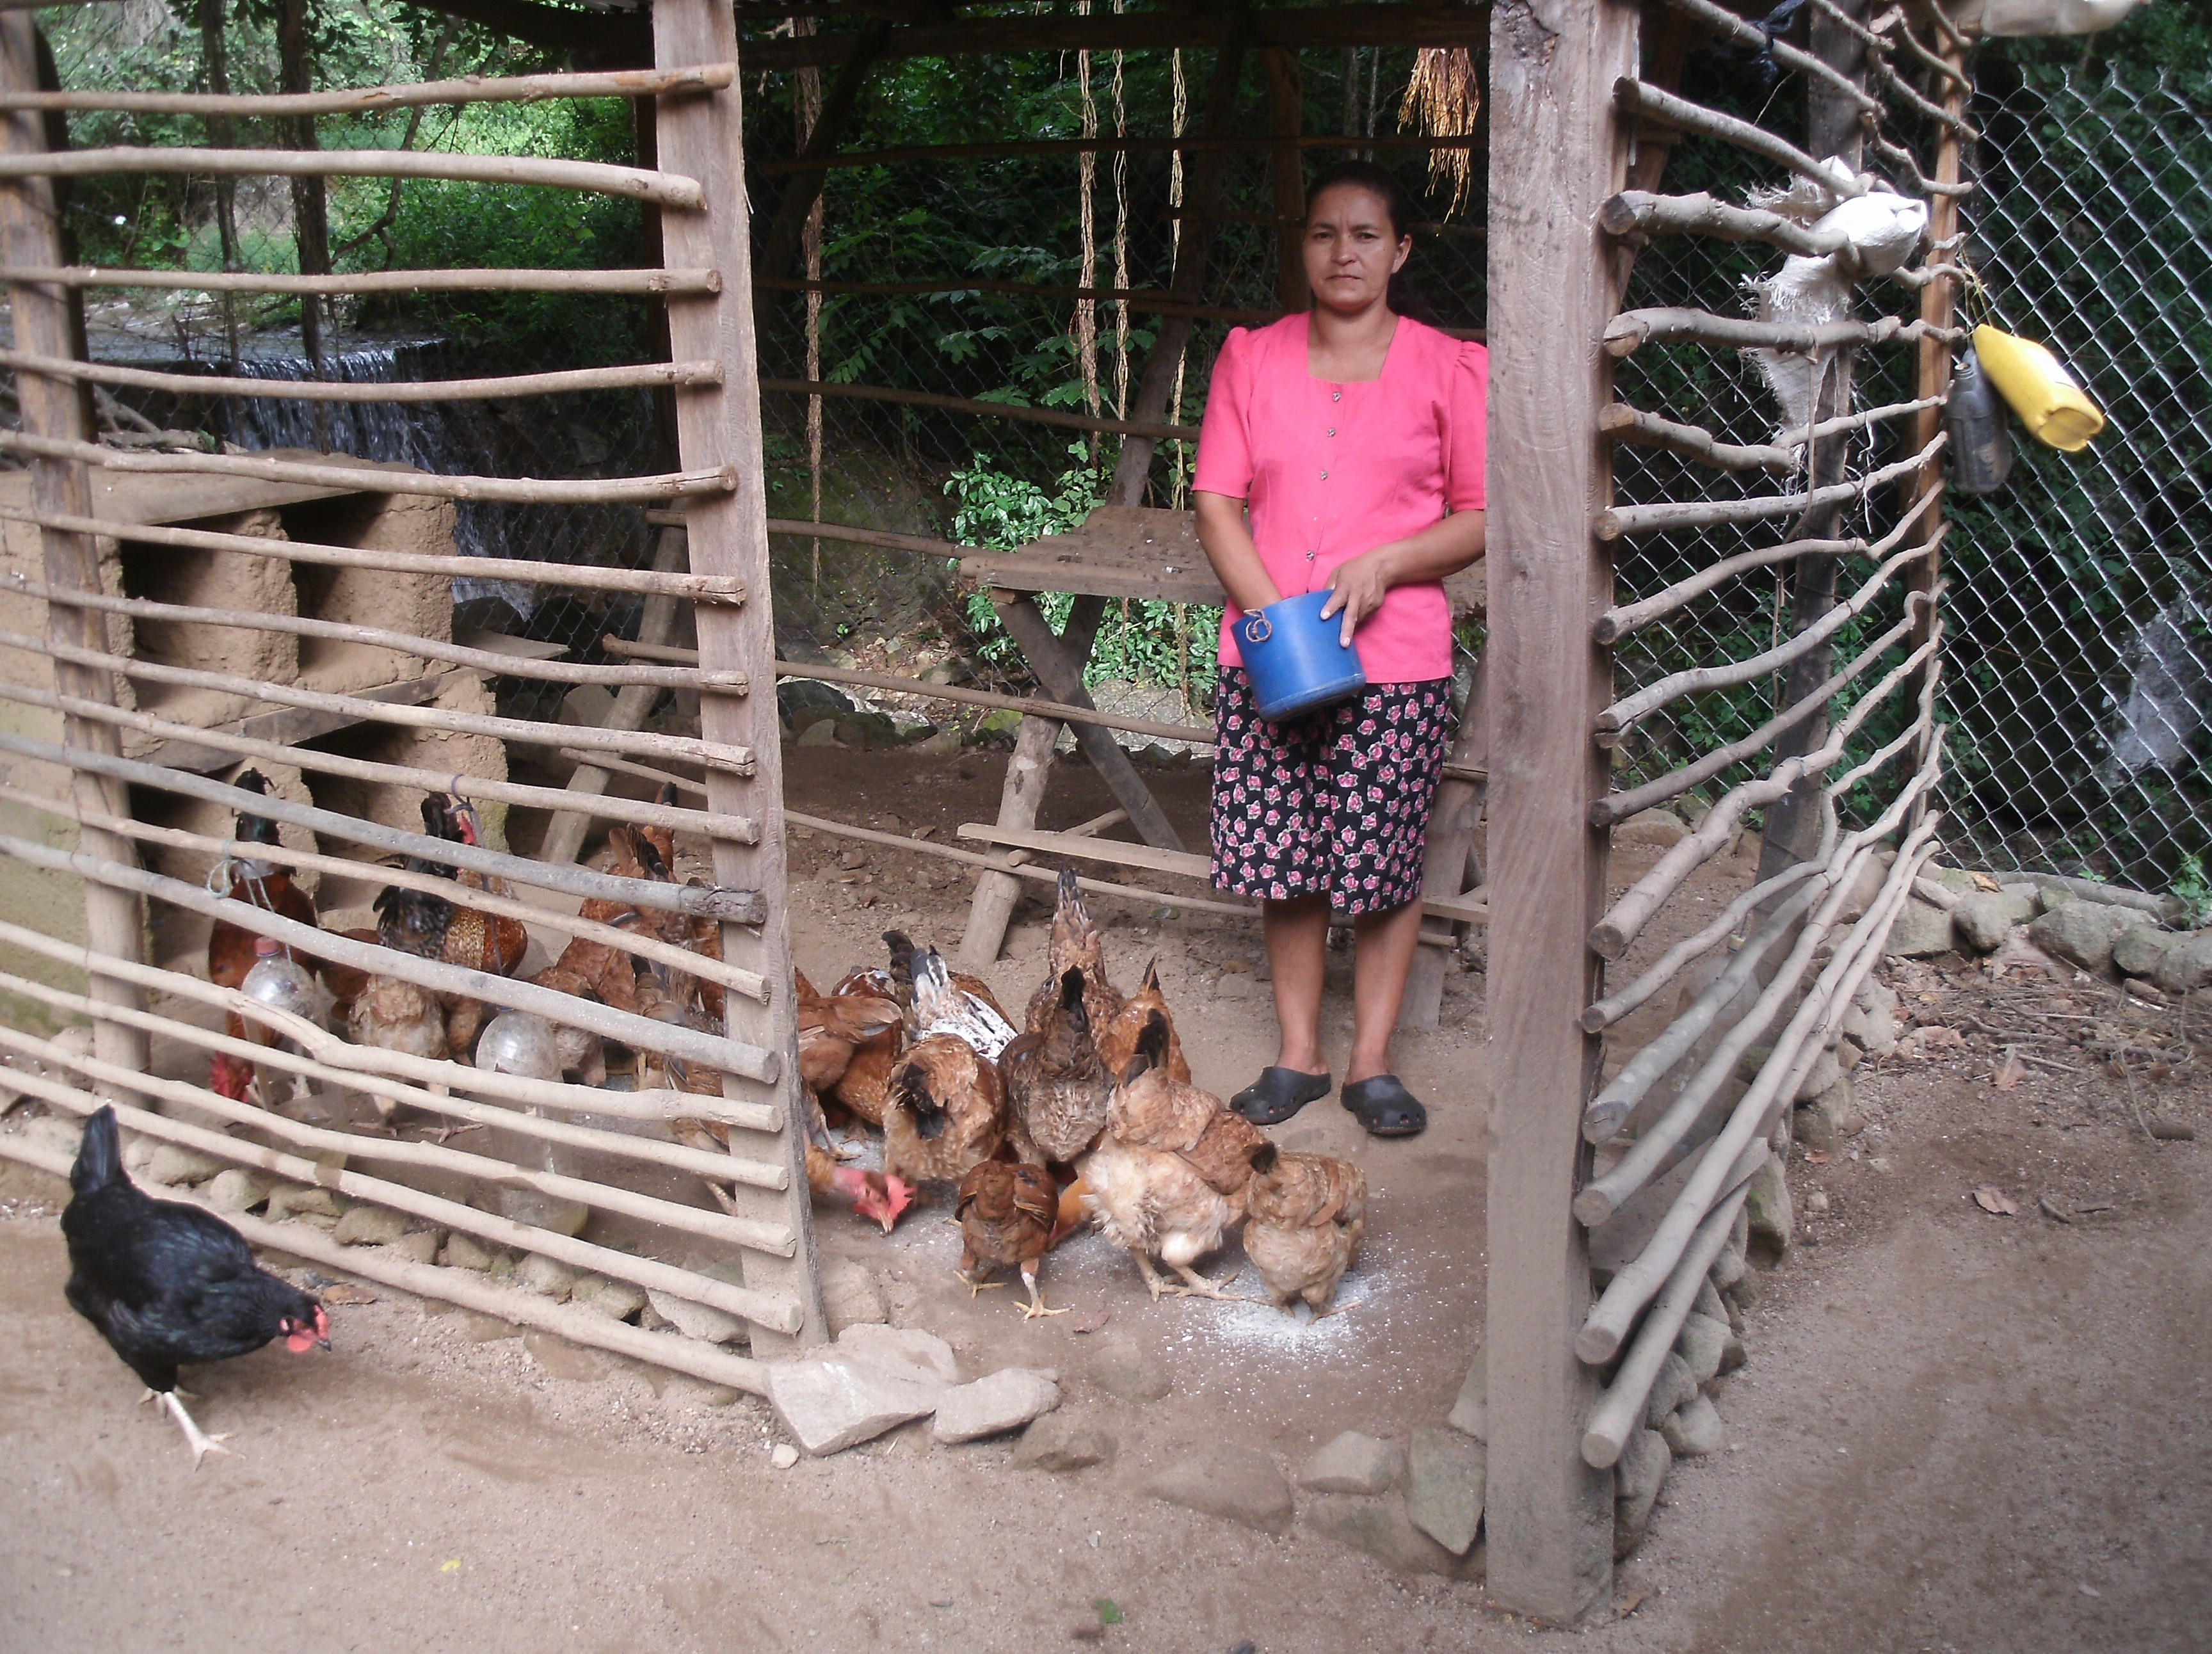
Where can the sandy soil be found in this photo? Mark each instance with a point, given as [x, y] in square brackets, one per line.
[1956, 1431]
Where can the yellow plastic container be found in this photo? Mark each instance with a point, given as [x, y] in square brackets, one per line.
[2056, 411]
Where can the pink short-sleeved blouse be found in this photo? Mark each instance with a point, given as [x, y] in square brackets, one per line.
[1331, 471]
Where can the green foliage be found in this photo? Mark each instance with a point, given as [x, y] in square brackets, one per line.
[2193, 890]
[1143, 641]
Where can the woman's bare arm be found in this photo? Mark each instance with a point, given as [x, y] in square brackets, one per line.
[1359, 586]
[1228, 541]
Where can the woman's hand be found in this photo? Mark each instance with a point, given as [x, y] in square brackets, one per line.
[1358, 588]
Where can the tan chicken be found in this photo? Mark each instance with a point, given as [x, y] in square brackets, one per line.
[947, 1111]
[898, 980]
[1006, 1219]
[1075, 945]
[1057, 1089]
[1117, 1040]
[1305, 1216]
[1168, 1180]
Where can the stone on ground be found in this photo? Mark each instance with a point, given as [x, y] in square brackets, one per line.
[1694, 1429]
[830, 1403]
[1444, 1476]
[851, 1295]
[237, 1190]
[2082, 933]
[465, 1252]
[783, 1456]
[296, 1200]
[1920, 931]
[1826, 1071]
[1674, 1385]
[561, 1358]
[1130, 1376]
[1353, 1463]
[2137, 951]
[699, 1321]
[1982, 918]
[369, 1225]
[545, 1277]
[1064, 1441]
[1471, 1412]
[992, 1406]
[1233, 1483]
[2187, 964]
[1768, 1207]
[1657, 829]
[903, 1353]
[1700, 1344]
[175, 1164]
[1637, 1474]
[419, 1247]
[617, 1300]
[1382, 1529]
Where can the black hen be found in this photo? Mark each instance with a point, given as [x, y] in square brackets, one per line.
[169, 1285]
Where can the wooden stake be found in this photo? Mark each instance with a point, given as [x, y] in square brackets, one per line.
[59, 411]
[1556, 155]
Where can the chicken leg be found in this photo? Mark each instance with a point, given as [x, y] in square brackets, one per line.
[1035, 1307]
[201, 1444]
[1199, 1286]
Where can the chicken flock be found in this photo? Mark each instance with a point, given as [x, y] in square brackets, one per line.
[1088, 1113]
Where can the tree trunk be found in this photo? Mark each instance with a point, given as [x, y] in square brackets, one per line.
[310, 208]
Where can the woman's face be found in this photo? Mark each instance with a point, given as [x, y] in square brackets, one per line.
[1350, 251]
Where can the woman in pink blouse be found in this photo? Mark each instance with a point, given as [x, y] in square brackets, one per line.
[1341, 448]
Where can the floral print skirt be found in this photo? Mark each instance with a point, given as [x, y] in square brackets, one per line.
[1332, 804]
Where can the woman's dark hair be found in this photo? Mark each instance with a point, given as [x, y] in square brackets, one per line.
[1405, 298]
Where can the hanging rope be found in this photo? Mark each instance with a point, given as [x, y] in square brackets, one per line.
[1086, 173]
[1443, 98]
[1120, 243]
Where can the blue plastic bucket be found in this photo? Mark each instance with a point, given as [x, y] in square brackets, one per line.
[1298, 661]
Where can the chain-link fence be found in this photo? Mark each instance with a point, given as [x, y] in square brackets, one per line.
[2080, 596]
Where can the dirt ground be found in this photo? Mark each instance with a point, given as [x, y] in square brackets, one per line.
[1957, 1431]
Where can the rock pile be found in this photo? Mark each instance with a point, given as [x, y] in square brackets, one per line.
[2056, 924]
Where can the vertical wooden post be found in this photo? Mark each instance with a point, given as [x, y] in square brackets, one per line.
[1451, 839]
[49, 322]
[1939, 302]
[1555, 155]
[1030, 766]
[1286, 119]
[702, 136]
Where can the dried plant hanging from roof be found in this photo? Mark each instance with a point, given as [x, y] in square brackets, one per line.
[1442, 98]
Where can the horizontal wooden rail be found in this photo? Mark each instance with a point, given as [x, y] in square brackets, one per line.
[738, 760]
[1671, 516]
[1632, 910]
[360, 1065]
[1696, 680]
[1656, 105]
[655, 1276]
[968, 405]
[634, 811]
[375, 280]
[589, 177]
[372, 100]
[624, 1028]
[465, 1288]
[1729, 25]
[1909, 173]
[650, 894]
[481, 1170]
[645, 582]
[1631, 329]
[1616, 623]
[1191, 144]
[1619, 1413]
[1626, 424]
[1640, 215]
[489, 661]
[644, 374]
[382, 479]
[681, 961]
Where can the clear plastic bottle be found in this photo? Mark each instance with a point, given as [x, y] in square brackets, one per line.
[283, 983]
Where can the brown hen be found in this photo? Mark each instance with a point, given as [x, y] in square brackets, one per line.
[1305, 1216]
[230, 952]
[1056, 1087]
[1006, 1214]
[1117, 1040]
[1075, 945]
[947, 1111]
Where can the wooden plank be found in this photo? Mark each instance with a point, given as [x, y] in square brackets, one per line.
[51, 323]
[1556, 155]
[293, 725]
[1078, 845]
[703, 138]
